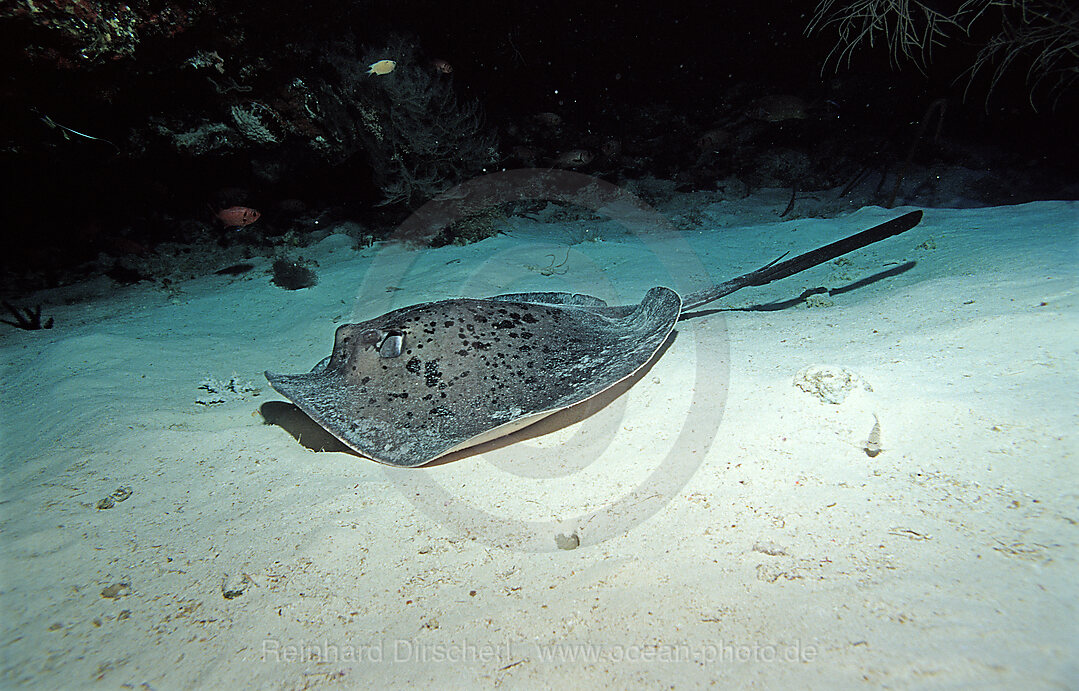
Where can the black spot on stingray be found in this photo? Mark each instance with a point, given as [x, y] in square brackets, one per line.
[528, 318]
[504, 324]
[428, 397]
[413, 365]
[431, 373]
[448, 322]
[441, 411]
[462, 352]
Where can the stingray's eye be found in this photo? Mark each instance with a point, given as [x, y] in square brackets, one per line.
[393, 344]
[370, 336]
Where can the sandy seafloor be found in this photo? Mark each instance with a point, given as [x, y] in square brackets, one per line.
[732, 527]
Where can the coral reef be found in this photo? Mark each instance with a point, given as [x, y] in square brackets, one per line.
[95, 31]
[408, 125]
[200, 140]
[478, 225]
[253, 120]
[418, 137]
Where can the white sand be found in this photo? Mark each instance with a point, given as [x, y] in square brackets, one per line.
[777, 553]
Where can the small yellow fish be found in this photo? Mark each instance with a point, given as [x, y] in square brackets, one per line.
[382, 67]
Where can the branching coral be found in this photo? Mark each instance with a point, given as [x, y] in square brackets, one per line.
[909, 28]
[419, 138]
[26, 318]
[1044, 31]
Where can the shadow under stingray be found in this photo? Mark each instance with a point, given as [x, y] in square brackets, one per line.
[313, 436]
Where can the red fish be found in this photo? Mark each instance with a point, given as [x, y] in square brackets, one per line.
[237, 216]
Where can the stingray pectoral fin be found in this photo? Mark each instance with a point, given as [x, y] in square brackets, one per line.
[498, 432]
[284, 384]
[455, 373]
[271, 376]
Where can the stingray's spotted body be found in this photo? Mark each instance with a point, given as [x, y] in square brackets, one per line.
[422, 381]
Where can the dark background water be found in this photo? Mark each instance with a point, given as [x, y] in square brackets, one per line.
[650, 78]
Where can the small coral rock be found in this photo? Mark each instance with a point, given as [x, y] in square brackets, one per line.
[292, 275]
[828, 383]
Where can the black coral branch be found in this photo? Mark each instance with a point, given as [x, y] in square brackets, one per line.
[25, 317]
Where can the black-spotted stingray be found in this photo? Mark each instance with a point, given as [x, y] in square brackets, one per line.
[422, 381]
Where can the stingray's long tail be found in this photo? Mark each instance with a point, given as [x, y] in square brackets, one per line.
[777, 270]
